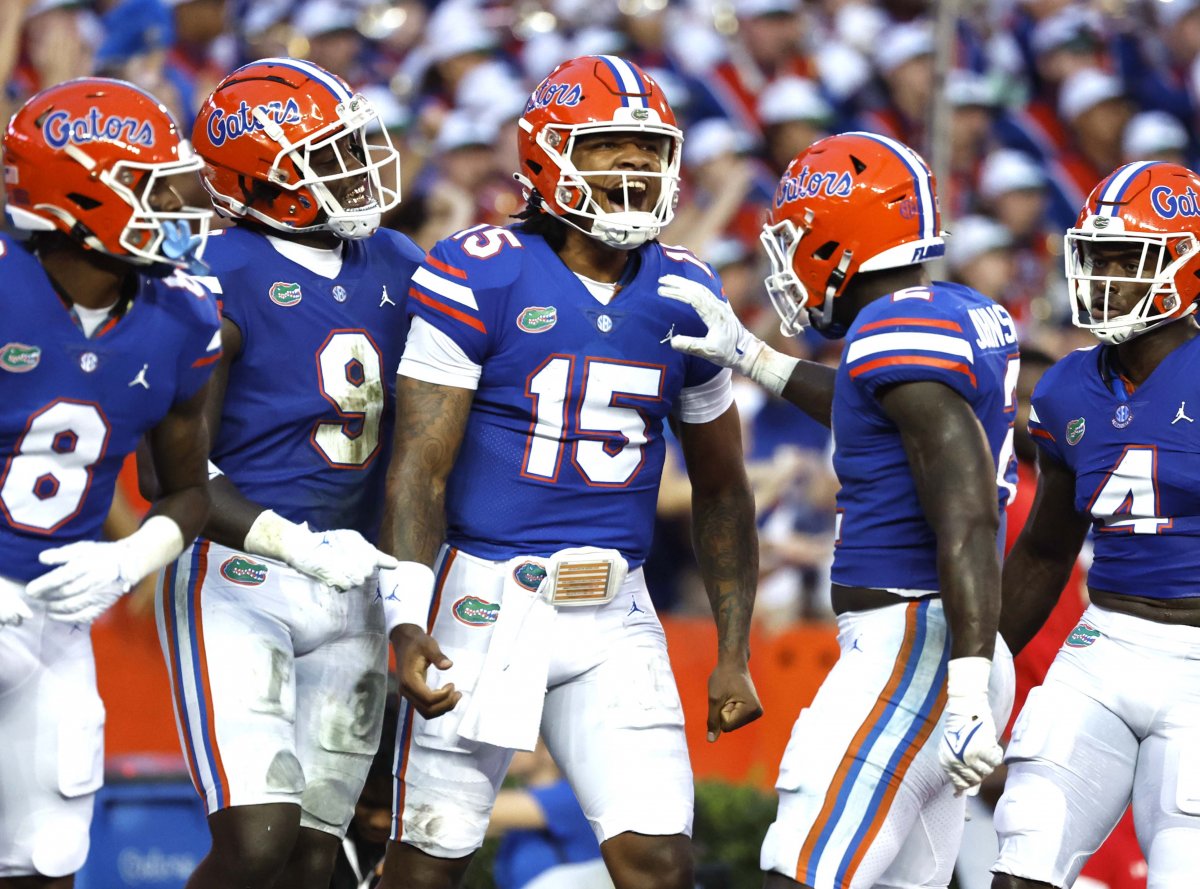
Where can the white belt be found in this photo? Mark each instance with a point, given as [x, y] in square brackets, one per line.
[505, 708]
[570, 577]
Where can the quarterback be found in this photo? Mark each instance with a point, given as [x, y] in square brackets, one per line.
[535, 386]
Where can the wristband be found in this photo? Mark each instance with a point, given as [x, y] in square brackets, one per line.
[273, 536]
[407, 593]
[967, 676]
[772, 369]
[158, 542]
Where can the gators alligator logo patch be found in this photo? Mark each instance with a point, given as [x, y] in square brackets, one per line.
[537, 319]
[475, 612]
[19, 358]
[529, 575]
[243, 571]
[284, 294]
[1075, 430]
[1082, 636]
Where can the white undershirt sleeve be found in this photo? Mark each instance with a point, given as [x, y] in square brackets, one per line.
[706, 402]
[432, 357]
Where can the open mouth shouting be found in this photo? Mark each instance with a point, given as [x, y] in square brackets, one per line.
[631, 194]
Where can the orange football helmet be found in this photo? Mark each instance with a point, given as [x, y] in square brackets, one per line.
[89, 158]
[284, 143]
[1143, 222]
[581, 97]
[855, 202]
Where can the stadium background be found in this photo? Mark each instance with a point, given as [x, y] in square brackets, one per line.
[1020, 105]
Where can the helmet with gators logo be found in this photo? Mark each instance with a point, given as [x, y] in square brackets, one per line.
[850, 203]
[285, 143]
[600, 95]
[1133, 257]
[92, 158]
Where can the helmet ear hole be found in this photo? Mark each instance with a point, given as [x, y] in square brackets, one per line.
[825, 251]
[82, 201]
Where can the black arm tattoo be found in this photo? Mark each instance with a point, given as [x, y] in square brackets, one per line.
[723, 531]
[430, 421]
[726, 545]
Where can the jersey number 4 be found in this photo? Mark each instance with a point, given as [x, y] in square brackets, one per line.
[1128, 498]
[608, 427]
[50, 472]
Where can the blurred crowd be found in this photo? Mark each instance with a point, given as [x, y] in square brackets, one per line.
[1045, 97]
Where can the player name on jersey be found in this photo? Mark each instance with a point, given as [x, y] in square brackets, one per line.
[994, 327]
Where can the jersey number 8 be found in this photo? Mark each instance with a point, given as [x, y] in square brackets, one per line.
[47, 478]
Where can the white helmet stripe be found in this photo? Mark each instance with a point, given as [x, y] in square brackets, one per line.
[921, 179]
[628, 78]
[316, 73]
[1117, 183]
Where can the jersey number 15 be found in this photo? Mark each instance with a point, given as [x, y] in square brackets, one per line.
[609, 428]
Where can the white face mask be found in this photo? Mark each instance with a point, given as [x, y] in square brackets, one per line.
[172, 237]
[634, 224]
[358, 165]
[176, 237]
[788, 295]
[1098, 290]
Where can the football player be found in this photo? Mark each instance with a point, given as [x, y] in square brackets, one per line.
[275, 647]
[532, 399]
[921, 408]
[104, 340]
[1118, 714]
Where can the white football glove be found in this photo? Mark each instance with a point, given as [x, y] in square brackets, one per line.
[13, 607]
[341, 559]
[969, 750]
[728, 343]
[92, 575]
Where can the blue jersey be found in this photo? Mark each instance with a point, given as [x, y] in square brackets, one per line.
[1136, 460]
[72, 408]
[564, 442]
[946, 333]
[306, 426]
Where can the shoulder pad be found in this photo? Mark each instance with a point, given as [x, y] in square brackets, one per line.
[188, 298]
[399, 243]
[234, 248]
[683, 262]
[486, 256]
[16, 259]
